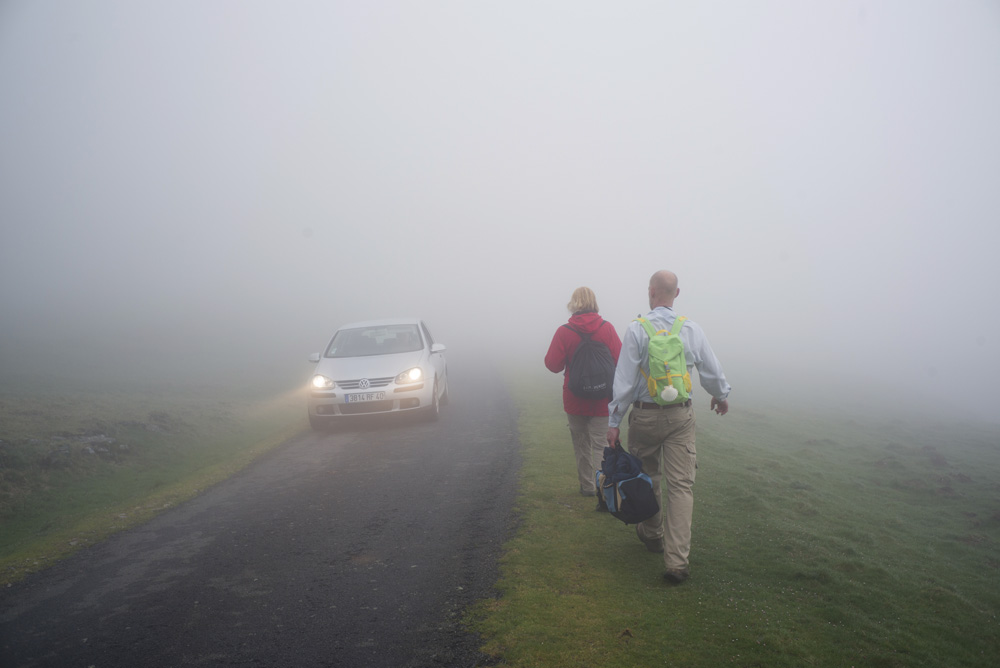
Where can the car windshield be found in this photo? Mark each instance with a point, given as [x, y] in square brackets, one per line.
[379, 340]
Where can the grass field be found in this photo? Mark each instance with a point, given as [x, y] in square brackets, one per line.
[816, 542]
[80, 462]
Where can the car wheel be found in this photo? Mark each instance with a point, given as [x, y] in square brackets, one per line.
[444, 395]
[434, 410]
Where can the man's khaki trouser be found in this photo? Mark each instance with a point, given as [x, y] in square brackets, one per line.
[589, 438]
[663, 438]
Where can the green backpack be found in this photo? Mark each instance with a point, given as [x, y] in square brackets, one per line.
[668, 379]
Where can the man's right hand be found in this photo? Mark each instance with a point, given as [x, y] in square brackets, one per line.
[720, 406]
[612, 436]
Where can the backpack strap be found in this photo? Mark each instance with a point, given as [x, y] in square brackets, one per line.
[577, 332]
[584, 335]
[648, 326]
[650, 332]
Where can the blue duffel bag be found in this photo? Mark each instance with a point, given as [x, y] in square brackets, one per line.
[623, 489]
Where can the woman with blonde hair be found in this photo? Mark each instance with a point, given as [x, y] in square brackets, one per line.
[588, 417]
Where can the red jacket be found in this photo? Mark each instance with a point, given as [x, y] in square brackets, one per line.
[564, 343]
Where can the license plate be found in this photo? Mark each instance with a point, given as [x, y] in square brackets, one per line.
[364, 396]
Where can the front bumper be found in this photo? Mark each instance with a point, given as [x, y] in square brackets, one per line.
[391, 399]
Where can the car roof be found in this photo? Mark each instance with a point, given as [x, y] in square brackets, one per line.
[380, 323]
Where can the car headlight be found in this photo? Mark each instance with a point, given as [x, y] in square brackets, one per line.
[410, 376]
[323, 383]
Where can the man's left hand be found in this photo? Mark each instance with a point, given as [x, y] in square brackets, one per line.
[720, 406]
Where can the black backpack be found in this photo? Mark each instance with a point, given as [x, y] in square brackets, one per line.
[591, 371]
[623, 489]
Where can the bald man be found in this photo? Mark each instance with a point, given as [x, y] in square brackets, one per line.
[663, 436]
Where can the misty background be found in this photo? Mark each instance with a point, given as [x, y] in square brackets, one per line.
[209, 189]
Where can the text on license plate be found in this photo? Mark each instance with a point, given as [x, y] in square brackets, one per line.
[364, 396]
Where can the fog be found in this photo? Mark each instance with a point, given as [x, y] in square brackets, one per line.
[192, 187]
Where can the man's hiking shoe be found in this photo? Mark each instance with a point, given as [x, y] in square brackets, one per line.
[652, 544]
[676, 577]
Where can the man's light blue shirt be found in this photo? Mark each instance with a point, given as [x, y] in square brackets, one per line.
[630, 384]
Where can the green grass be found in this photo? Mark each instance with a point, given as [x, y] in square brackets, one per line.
[78, 464]
[816, 542]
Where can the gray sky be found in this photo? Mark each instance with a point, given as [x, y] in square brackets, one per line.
[210, 178]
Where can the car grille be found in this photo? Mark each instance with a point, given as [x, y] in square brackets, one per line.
[356, 384]
[366, 407]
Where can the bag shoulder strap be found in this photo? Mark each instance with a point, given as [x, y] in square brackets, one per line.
[646, 325]
[584, 335]
[577, 332]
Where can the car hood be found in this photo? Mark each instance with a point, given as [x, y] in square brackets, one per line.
[372, 366]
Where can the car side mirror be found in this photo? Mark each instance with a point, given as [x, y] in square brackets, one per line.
[437, 348]
[314, 358]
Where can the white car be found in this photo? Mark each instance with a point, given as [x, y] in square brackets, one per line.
[379, 366]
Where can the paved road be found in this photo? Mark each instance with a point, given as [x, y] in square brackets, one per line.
[355, 548]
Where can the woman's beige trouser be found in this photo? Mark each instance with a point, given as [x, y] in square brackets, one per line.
[589, 438]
